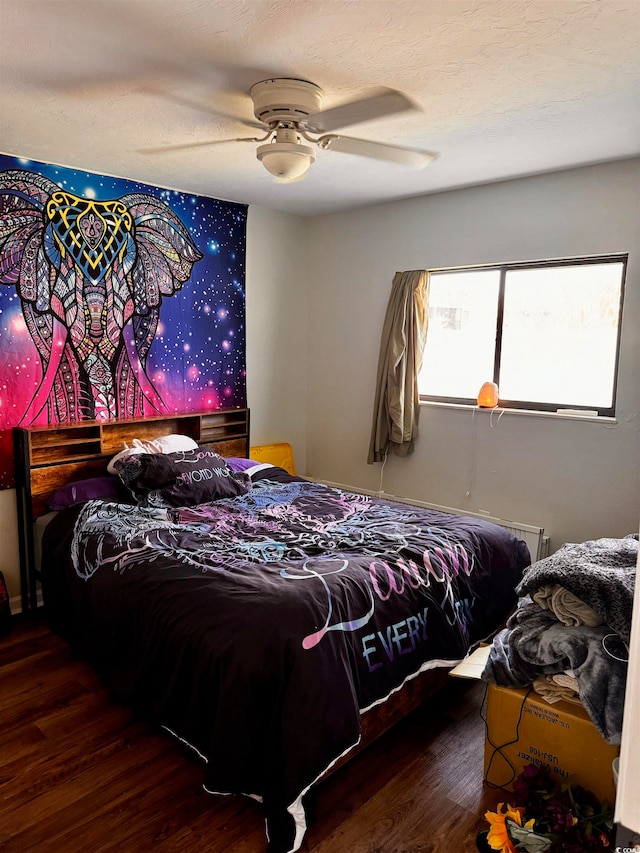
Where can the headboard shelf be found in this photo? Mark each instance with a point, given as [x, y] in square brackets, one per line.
[229, 425]
[50, 445]
[67, 451]
[47, 457]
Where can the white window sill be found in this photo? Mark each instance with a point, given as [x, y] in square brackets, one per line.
[498, 411]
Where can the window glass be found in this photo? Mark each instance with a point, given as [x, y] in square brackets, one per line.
[547, 333]
[560, 335]
[460, 345]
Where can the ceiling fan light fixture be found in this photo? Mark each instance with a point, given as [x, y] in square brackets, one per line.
[286, 160]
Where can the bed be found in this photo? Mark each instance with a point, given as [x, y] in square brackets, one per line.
[273, 630]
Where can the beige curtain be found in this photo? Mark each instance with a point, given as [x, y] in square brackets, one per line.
[396, 408]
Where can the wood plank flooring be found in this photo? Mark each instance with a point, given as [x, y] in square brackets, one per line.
[80, 774]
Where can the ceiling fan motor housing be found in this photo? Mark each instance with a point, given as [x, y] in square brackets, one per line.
[285, 99]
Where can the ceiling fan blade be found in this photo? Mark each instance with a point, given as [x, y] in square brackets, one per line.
[119, 52]
[163, 149]
[413, 157]
[377, 106]
[206, 108]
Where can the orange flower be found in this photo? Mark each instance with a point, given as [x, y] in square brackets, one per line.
[498, 837]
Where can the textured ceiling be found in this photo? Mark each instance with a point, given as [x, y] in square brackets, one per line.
[505, 88]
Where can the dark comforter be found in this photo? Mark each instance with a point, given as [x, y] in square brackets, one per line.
[258, 628]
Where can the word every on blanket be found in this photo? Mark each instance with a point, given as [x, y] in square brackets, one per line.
[401, 638]
[570, 632]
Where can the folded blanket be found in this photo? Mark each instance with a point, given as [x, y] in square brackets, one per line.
[553, 692]
[569, 609]
[535, 644]
[568, 680]
[600, 572]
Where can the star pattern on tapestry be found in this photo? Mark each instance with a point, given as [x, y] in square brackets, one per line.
[116, 299]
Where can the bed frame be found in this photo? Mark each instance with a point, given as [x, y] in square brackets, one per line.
[52, 456]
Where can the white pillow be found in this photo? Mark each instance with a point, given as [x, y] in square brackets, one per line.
[163, 444]
[169, 444]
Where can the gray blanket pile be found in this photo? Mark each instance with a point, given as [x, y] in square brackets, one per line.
[573, 618]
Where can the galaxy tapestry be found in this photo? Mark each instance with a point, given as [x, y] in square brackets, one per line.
[117, 299]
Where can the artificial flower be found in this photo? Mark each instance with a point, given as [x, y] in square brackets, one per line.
[498, 836]
[555, 816]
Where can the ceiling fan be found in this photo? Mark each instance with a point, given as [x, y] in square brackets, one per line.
[288, 112]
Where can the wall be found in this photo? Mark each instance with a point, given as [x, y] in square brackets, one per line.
[277, 328]
[578, 479]
[276, 352]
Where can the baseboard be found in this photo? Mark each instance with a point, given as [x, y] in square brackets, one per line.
[15, 603]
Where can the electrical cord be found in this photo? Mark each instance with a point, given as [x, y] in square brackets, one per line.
[497, 750]
[384, 462]
[491, 423]
[617, 639]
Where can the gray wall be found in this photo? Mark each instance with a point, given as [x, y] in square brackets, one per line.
[577, 479]
[277, 328]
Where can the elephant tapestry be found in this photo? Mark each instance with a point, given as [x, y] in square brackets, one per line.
[117, 299]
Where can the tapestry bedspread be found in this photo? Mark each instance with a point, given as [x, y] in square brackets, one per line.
[257, 628]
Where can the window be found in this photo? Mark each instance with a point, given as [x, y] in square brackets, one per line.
[548, 333]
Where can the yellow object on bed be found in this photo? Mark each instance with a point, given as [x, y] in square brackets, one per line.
[277, 454]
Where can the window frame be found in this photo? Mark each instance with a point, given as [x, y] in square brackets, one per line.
[528, 405]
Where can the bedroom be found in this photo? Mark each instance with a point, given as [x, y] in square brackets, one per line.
[578, 480]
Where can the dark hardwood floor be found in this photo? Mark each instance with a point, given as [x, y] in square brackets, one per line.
[79, 774]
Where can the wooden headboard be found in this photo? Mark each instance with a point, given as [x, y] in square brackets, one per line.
[52, 456]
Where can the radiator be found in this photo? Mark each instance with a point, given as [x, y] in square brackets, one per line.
[537, 542]
[531, 534]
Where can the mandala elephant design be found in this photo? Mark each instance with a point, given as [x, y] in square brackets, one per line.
[91, 277]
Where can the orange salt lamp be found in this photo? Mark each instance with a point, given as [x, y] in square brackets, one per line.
[488, 395]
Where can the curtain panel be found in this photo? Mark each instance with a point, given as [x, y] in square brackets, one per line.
[396, 406]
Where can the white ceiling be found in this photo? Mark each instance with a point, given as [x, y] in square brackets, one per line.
[505, 88]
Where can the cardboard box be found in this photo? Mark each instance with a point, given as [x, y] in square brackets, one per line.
[523, 728]
[473, 665]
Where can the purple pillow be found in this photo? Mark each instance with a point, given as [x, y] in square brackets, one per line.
[93, 488]
[237, 463]
[183, 478]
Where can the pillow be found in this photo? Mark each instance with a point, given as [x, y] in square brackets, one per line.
[93, 488]
[163, 444]
[237, 463]
[168, 444]
[123, 454]
[184, 478]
